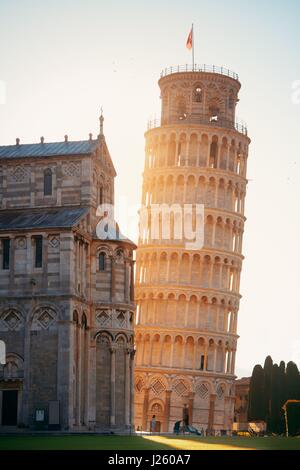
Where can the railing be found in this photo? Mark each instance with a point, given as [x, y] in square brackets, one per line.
[199, 68]
[205, 120]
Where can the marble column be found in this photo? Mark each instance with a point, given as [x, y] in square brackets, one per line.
[211, 413]
[112, 386]
[145, 409]
[91, 411]
[167, 410]
[26, 380]
[127, 387]
[132, 354]
[65, 372]
[191, 407]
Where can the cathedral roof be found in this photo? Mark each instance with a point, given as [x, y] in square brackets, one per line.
[81, 147]
[42, 218]
[111, 232]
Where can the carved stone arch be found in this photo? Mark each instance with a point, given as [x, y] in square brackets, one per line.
[210, 219]
[171, 296]
[12, 319]
[156, 407]
[14, 367]
[158, 384]
[103, 317]
[104, 337]
[160, 295]
[139, 384]
[182, 386]
[121, 318]
[179, 337]
[119, 253]
[44, 317]
[203, 389]
[193, 297]
[14, 306]
[220, 389]
[121, 341]
[201, 340]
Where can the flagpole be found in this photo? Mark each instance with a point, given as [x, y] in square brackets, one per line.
[193, 47]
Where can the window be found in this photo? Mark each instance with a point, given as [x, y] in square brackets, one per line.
[102, 262]
[101, 195]
[6, 253]
[48, 182]
[198, 94]
[38, 252]
[202, 362]
[213, 154]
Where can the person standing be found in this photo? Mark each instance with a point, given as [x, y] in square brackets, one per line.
[153, 424]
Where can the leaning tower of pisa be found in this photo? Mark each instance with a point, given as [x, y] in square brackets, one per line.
[188, 298]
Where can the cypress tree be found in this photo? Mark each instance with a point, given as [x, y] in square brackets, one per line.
[293, 393]
[292, 382]
[282, 395]
[275, 416]
[256, 408]
[268, 368]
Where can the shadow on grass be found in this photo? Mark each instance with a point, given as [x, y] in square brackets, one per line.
[79, 442]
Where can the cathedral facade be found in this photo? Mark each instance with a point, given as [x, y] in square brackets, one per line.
[66, 295]
[188, 298]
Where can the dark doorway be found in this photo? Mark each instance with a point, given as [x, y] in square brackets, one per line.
[9, 407]
[157, 426]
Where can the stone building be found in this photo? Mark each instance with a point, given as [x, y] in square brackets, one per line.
[242, 387]
[188, 299]
[66, 296]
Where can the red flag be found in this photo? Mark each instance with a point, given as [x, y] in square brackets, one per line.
[189, 42]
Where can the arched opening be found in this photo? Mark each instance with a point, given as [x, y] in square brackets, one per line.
[213, 155]
[48, 182]
[102, 261]
[197, 95]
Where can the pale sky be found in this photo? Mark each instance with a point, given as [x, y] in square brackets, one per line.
[61, 60]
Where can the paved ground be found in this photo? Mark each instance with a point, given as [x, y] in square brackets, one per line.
[97, 442]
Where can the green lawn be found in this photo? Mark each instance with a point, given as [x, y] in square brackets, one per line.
[92, 442]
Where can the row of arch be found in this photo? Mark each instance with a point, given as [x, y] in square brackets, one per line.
[193, 385]
[213, 231]
[205, 271]
[213, 192]
[175, 351]
[197, 150]
[189, 314]
[229, 301]
[200, 100]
